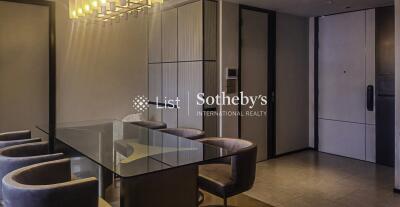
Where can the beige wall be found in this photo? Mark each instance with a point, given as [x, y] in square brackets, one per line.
[229, 45]
[292, 76]
[292, 83]
[100, 69]
[24, 67]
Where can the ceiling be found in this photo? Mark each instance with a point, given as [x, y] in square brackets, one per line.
[315, 7]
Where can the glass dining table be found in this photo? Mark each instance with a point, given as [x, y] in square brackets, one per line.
[153, 168]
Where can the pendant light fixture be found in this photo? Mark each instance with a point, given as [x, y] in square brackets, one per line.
[107, 10]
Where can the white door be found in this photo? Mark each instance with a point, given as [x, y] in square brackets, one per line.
[346, 69]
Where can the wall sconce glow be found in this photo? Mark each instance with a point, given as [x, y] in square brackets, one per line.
[106, 10]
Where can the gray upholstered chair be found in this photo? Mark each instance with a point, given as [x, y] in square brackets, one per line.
[228, 177]
[189, 133]
[15, 157]
[151, 124]
[49, 184]
[16, 137]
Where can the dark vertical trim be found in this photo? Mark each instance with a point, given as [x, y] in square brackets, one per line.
[240, 71]
[316, 83]
[271, 129]
[52, 78]
[271, 111]
[52, 64]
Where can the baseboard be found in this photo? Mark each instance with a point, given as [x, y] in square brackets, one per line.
[294, 152]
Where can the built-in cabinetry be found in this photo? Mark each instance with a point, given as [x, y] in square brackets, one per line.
[183, 63]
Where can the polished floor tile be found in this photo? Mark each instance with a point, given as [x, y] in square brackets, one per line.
[309, 179]
[236, 201]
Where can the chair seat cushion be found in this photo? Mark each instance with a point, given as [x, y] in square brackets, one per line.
[216, 179]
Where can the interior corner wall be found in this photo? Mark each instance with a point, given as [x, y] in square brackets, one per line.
[292, 87]
[100, 69]
[229, 53]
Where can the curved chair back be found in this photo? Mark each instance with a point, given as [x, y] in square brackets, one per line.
[16, 137]
[151, 124]
[189, 133]
[15, 157]
[243, 162]
[49, 184]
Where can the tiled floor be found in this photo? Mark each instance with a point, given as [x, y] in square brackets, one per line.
[316, 179]
[236, 201]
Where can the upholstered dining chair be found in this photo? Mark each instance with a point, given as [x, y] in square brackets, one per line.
[151, 124]
[229, 177]
[16, 137]
[15, 157]
[49, 184]
[188, 133]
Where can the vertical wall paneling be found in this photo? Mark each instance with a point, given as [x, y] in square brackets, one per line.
[170, 35]
[210, 87]
[169, 87]
[190, 32]
[370, 132]
[190, 79]
[210, 30]
[370, 59]
[155, 38]
[182, 63]
[155, 84]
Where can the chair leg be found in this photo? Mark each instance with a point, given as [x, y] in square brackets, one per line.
[225, 202]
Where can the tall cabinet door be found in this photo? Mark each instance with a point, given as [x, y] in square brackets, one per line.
[170, 92]
[190, 32]
[190, 79]
[155, 84]
[170, 35]
[343, 74]
[155, 38]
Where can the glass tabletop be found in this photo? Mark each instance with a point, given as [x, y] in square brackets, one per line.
[130, 150]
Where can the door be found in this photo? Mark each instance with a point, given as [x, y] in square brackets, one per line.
[24, 66]
[346, 69]
[254, 76]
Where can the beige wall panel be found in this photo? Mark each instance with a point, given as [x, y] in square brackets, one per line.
[155, 52]
[155, 90]
[24, 67]
[170, 92]
[210, 30]
[190, 79]
[292, 83]
[190, 32]
[100, 69]
[170, 35]
[229, 47]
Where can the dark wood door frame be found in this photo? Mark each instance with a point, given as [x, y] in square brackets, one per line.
[271, 111]
[52, 63]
